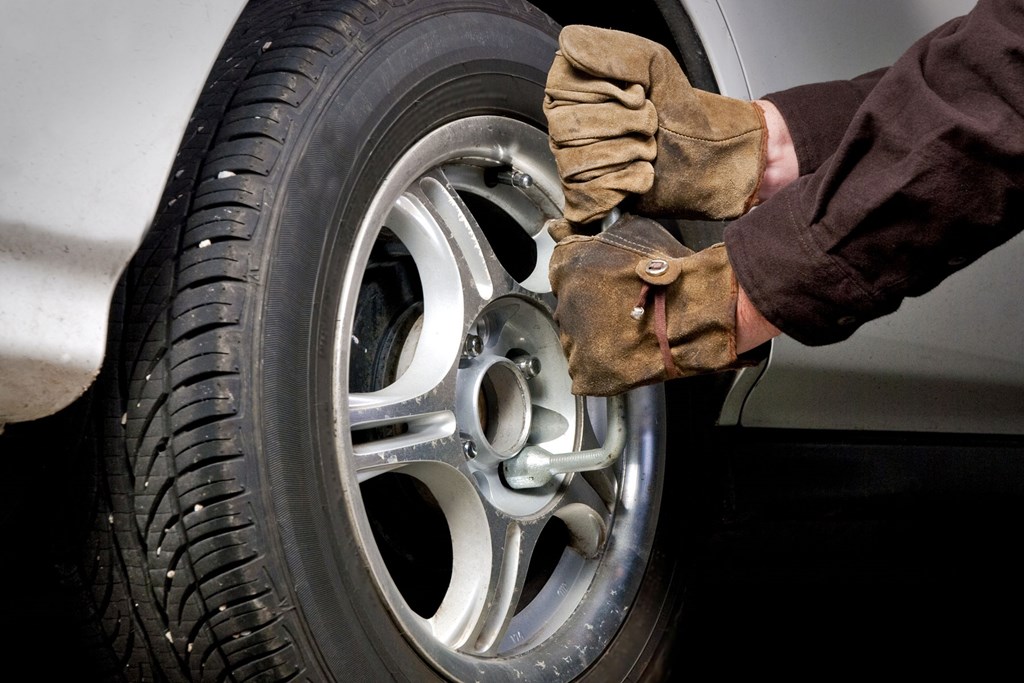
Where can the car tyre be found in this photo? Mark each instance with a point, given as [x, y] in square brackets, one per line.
[338, 329]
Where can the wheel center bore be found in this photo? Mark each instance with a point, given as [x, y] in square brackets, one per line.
[493, 408]
[512, 390]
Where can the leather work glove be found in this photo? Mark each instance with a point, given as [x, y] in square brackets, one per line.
[623, 119]
[636, 307]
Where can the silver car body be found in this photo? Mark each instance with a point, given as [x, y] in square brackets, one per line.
[97, 98]
[91, 142]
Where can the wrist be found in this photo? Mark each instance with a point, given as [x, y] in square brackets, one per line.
[781, 166]
[752, 328]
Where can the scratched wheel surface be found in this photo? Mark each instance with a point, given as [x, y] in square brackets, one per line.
[338, 334]
[448, 364]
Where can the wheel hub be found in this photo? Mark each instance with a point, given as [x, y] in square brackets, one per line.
[505, 401]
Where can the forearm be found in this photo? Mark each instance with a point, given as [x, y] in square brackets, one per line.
[926, 179]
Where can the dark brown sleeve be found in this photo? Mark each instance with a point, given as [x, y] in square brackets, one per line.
[818, 114]
[928, 177]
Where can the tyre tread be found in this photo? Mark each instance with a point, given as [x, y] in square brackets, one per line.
[185, 529]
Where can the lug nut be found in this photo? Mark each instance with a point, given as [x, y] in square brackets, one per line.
[515, 178]
[473, 346]
[469, 449]
[528, 365]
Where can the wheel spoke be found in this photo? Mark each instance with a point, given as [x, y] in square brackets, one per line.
[478, 625]
[398, 425]
[485, 275]
[529, 208]
[442, 274]
[538, 281]
[585, 488]
[412, 419]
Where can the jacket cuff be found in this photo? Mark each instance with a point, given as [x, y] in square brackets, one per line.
[808, 294]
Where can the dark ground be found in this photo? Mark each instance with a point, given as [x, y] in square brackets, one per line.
[823, 599]
[921, 584]
[874, 556]
[786, 604]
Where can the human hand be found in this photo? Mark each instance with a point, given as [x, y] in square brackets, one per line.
[636, 307]
[623, 120]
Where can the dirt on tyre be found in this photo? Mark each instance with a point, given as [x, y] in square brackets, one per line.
[338, 330]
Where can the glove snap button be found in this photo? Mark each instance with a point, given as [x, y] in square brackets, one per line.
[657, 266]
